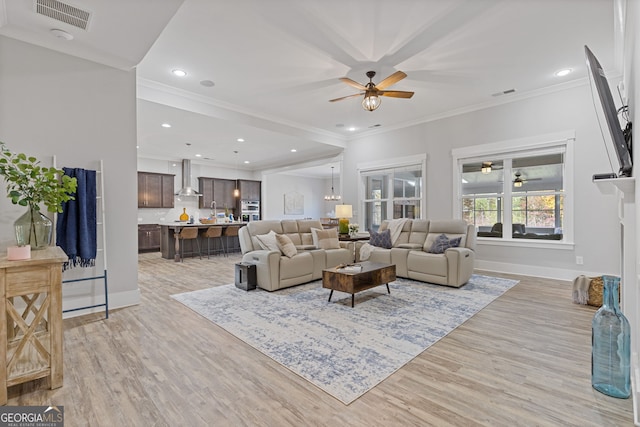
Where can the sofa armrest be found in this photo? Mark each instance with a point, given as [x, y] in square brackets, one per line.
[267, 268]
[347, 245]
[460, 262]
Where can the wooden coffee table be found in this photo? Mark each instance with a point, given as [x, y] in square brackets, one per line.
[372, 274]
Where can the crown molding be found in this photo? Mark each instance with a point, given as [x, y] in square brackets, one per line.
[507, 99]
[153, 91]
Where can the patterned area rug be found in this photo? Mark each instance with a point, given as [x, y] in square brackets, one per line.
[345, 351]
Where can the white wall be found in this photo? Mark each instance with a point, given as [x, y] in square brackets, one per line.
[275, 186]
[630, 289]
[53, 104]
[570, 109]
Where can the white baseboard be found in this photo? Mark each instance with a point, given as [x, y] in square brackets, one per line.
[532, 270]
[116, 300]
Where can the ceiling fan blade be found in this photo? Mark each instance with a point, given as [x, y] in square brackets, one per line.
[353, 83]
[532, 179]
[395, 93]
[392, 79]
[345, 97]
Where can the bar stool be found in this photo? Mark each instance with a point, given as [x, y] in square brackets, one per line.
[214, 233]
[231, 231]
[188, 233]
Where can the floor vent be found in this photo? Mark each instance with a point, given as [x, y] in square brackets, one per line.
[63, 12]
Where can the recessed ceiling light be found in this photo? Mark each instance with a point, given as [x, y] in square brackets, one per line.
[246, 162]
[198, 155]
[166, 125]
[293, 150]
[179, 73]
[207, 83]
[564, 72]
[240, 139]
[352, 129]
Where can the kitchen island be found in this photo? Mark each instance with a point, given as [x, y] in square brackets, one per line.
[170, 246]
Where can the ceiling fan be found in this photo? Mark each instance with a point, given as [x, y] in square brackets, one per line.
[373, 92]
[487, 167]
[518, 181]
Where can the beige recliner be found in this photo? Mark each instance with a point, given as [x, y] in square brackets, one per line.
[274, 270]
[413, 259]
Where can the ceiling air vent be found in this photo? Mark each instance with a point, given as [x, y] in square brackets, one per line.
[504, 92]
[63, 12]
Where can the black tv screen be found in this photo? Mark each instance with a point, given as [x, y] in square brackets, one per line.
[615, 136]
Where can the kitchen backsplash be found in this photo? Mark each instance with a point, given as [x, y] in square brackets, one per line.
[159, 216]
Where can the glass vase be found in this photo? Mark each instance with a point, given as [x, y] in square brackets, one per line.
[611, 344]
[33, 228]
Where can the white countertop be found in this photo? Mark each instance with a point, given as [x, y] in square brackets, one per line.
[198, 224]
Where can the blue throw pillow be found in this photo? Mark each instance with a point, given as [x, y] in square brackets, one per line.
[381, 239]
[443, 243]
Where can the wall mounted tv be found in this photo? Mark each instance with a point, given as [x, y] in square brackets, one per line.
[617, 139]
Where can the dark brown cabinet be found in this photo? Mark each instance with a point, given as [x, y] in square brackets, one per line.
[249, 190]
[220, 190]
[148, 238]
[155, 190]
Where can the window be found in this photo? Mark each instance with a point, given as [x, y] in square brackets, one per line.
[392, 192]
[523, 190]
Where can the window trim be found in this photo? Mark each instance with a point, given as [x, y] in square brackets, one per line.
[367, 168]
[513, 148]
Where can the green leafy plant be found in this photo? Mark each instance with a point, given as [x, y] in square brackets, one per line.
[29, 184]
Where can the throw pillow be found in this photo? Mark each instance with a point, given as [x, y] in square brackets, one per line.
[327, 239]
[285, 245]
[314, 236]
[268, 241]
[381, 239]
[443, 243]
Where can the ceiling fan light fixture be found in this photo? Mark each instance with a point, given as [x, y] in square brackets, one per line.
[371, 102]
[486, 168]
[517, 183]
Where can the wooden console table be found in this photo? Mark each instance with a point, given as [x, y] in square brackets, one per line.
[31, 319]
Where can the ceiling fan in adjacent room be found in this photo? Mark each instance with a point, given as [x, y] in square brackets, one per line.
[487, 167]
[518, 181]
[373, 92]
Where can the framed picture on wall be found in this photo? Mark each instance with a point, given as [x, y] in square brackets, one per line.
[293, 203]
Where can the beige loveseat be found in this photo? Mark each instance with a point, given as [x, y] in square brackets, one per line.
[274, 269]
[410, 251]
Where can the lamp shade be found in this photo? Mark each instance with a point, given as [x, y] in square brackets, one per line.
[344, 211]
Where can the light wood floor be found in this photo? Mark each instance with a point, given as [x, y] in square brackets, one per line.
[522, 361]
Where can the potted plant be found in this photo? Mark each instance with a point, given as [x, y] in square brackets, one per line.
[30, 185]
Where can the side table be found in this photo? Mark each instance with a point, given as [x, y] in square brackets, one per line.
[358, 240]
[31, 319]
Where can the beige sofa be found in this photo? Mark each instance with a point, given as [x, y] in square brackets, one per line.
[274, 269]
[410, 251]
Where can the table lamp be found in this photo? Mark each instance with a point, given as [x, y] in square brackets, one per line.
[343, 212]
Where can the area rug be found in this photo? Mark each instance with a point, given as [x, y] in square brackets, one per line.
[345, 351]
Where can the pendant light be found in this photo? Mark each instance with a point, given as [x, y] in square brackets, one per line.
[332, 197]
[236, 192]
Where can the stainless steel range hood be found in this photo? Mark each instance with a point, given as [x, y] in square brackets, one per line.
[186, 190]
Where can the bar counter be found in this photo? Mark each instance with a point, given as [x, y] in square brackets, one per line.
[170, 246]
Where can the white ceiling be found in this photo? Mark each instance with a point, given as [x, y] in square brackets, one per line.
[275, 64]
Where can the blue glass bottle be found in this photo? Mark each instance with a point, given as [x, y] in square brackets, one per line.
[611, 344]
